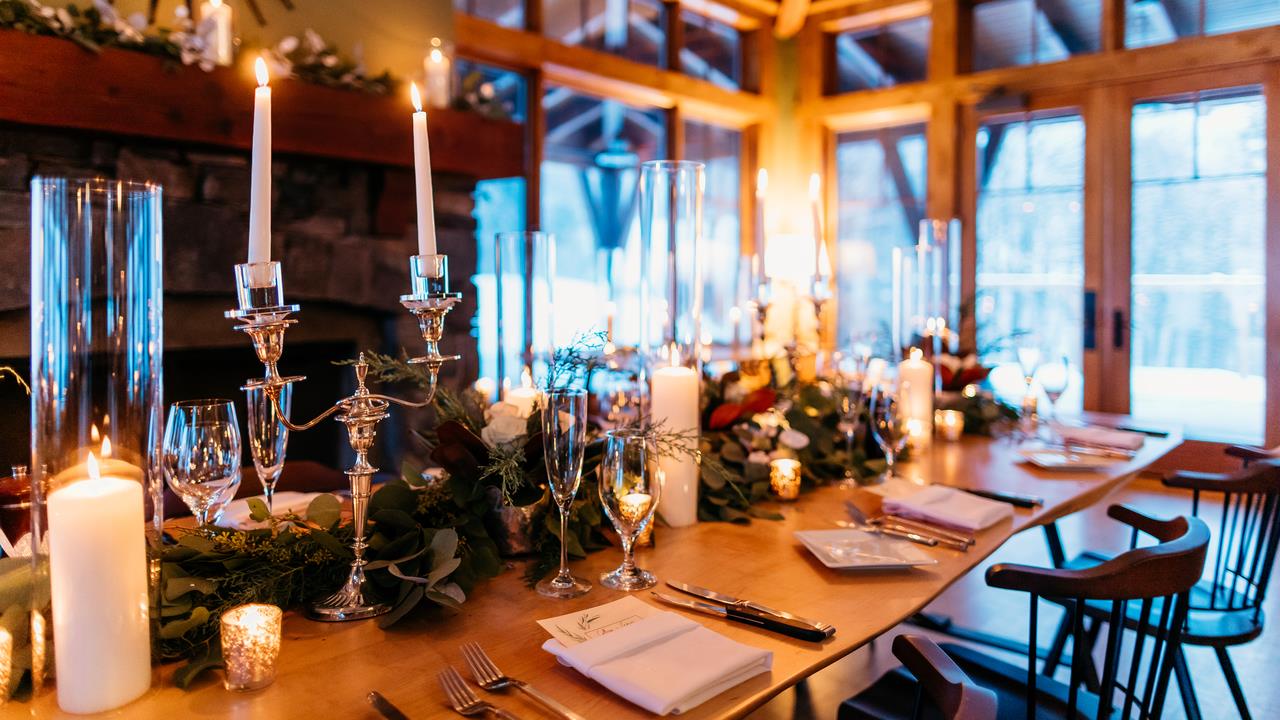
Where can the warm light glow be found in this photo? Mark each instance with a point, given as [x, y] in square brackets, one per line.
[94, 473]
[106, 447]
[762, 182]
[815, 187]
[216, 4]
[916, 353]
[415, 96]
[260, 69]
[824, 261]
[673, 354]
[437, 56]
[526, 378]
[94, 435]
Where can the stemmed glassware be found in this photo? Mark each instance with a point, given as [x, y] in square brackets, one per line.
[630, 487]
[268, 437]
[201, 454]
[1054, 377]
[564, 439]
[1029, 356]
[851, 374]
[888, 424]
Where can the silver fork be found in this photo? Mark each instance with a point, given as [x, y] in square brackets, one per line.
[462, 698]
[489, 677]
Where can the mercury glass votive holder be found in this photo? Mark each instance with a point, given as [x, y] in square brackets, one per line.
[250, 646]
[429, 274]
[949, 424]
[784, 478]
[259, 286]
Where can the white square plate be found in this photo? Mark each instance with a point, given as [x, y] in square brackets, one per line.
[1054, 459]
[848, 549]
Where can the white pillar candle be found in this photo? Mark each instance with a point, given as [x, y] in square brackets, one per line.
[439, 75]
[915, 389]
[674, 406]
[260, 172]
[221, 39]
[524, 399]
[422, 177]
[98, 578]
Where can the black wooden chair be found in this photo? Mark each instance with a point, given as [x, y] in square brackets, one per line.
[1226, 606]
[940, 683]
[1157, 580]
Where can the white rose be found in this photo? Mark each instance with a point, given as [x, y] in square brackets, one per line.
[502, 409]
[503, 430]
[794, 439]
[758, 458]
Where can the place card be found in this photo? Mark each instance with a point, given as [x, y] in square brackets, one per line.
[583, 625]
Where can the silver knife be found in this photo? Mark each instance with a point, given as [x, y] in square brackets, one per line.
[384, 707]
[707, 594]
[750, 616]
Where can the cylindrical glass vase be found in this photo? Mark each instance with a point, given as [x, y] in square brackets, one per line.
[670, 319]
[524, 271]
[96, 417]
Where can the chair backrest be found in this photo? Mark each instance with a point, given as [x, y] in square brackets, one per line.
[952, 692]
[1247, 537]
[1158, 577]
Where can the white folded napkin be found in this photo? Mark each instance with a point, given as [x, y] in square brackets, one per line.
[1095, 436]
[665, 663]
[236, 514]
[943, 505]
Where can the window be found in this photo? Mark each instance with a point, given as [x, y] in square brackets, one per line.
[721, 150]
[480, 84]
[1030, 232]
[1029, 32]
[881, 176]
[1198, 244]
[1152, 22]
[712, 50]
[880, 56]
[507, 13]
[630, 28]
[591, 161]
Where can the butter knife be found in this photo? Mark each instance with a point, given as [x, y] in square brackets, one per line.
[384, 707]
[749, 616]
[714, 596]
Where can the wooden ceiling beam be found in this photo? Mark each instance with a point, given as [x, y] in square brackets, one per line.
[869, 14]
[791, 17]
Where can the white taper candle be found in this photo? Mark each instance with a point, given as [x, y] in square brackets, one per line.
[260, 173]
[422, 177]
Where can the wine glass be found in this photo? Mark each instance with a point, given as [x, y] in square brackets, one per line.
[201, 454]
[851, 375]
[889, 423]
[630, 487]
[1054, 377]
[1029, 355]
[564, 437]
[268, 437]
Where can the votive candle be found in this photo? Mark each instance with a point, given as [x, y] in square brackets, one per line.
[949, 423]
[784, 478]
[250, 646]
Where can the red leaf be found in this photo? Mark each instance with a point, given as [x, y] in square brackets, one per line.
[947, 376]
[759, 401]
[725, 415]
[974, 375]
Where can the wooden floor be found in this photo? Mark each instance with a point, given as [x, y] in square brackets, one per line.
[975, 605]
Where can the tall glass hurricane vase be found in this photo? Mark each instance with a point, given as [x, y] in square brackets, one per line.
[96, 414]
[564, 439]
[671, 316]
[524, 271]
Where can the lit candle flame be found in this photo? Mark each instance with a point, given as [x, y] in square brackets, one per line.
[94, 435]
[762, 182]
[437, 56]
[526, 378]
[674, 353]
[106, 447]
[916, 353]
[94, 473]
[260, 69]
[415, 96]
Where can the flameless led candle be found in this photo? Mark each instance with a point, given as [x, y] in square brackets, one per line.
[250, 646]
[674, 405]
[950, 423]
[422, 177]
[98, 577]
[260, 171]
[784, 478]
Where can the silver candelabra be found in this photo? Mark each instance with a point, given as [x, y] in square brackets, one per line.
[264, 317]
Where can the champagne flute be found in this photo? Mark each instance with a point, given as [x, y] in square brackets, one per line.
[630, 487]
[564, 438]
[201, 454]
[888, 424]
[268, 437]
[1054, 377]
[851, 374]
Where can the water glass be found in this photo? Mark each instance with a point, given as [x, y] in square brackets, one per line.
[888, 424]
[564, 439]
[630, 487]
[201, 454]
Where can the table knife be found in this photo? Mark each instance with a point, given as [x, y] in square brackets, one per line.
[385, 708]
[749, 616]
[1014, 499]
[860, 522]
[714, 596]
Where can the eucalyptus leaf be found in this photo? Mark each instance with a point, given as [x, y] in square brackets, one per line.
[325, 510]
[178, 628]
[403, 607]
[258, 511]
[176, 587]
[444, 599]
[185, 675]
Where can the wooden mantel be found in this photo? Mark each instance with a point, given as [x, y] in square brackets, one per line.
[51, 82]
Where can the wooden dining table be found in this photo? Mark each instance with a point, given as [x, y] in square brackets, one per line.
[327, 670]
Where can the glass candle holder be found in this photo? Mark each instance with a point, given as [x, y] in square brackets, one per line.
[523, 324]
[429, 275]
[949, 424]
[784, 478]
[259, 286]
[250, 646]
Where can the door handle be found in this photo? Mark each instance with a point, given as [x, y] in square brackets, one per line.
[1090, 320]
[1117, 329]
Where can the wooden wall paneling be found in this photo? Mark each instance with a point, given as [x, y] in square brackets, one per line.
[1099, 177]
[1115, 297]
[1272, 87]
